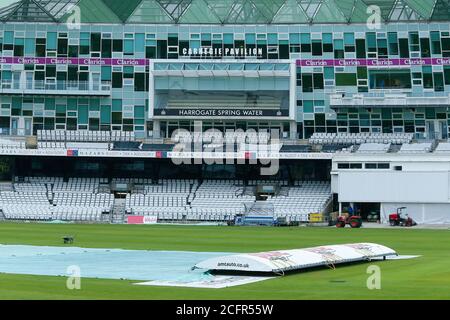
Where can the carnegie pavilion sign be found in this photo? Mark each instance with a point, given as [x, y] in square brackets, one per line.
[220, 52]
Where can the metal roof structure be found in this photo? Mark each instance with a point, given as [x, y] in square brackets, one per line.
[224, 11]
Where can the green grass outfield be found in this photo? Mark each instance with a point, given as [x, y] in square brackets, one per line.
[427, 277]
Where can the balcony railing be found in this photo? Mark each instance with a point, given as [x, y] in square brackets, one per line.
[387, 100]
[57, 87]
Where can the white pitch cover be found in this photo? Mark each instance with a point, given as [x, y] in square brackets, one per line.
[287, 260]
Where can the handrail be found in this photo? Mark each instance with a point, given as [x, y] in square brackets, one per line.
[57, 85]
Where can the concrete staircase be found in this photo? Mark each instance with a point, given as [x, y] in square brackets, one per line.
[118, 211]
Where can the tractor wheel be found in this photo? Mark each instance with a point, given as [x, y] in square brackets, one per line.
[340, 224]
[355, 223]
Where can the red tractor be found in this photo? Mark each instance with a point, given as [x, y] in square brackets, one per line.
[401, 218]
[353, 221]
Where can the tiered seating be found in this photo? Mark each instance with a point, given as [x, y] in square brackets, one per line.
[374, 148]
[11, 144]
[267, 181]
[170, 199]
[50, 198]
[171, 186]
[222, 198]
[29, 198]
[416, 148]
[122, 136]
[92, 200]
[46, 212]
[261, 137]
[359, 138]
[51, 145]
[84, 135]
[168, 196]
[304, 198]
[78, 185]
[132, 180]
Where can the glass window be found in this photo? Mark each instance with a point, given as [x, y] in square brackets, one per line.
[95, 41]
[51, 40]
[360, 48]
[435, 42]
[139, 82]
[328, 72]
[427, 77]
[382, 48]
[414, 41]
[345, 79]
[393, 43]
[327, 39]
[389, 79]
[425, 50]
[371, 42]
[117, 45]
[447, 75]
[294, 38]
[308, 106]
[438, 80]
[62, 47]
[404, 48]
[316, 48]
[318, 80]
[307, 82]
[343, 165]
[128, 47]
[117, 80]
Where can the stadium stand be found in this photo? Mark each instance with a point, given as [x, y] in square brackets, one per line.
[359, 138]
[52, 198]
[84, 136]
[373, 148]
[303, 198]
[416, 148]
[219, 200]
[261, 137]
[80, 199]
[332, 148]
[295, 148]
[11, 144]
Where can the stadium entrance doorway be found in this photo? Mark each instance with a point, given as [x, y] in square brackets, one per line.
[369, 211]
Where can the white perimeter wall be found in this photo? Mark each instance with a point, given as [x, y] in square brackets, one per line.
[422, 213]
[393, 186]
